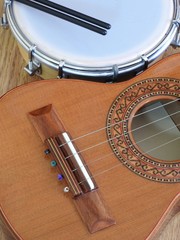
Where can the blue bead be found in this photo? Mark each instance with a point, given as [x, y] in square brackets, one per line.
[47, 151]
[60, 177]
[53, 163]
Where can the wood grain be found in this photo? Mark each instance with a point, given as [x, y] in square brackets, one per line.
[136, 203]
[90, 205]
[12, 75]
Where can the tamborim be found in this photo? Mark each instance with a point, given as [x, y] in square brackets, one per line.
[140, 32]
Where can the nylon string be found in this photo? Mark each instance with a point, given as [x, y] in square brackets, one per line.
[136, 144]
[120, 163]
[103, 128]
[110, 139]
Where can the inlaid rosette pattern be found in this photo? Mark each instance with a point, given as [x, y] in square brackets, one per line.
[119, 130]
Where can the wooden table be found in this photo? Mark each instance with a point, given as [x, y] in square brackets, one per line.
[12, 75]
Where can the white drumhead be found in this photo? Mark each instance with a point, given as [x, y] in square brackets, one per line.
[137, 27]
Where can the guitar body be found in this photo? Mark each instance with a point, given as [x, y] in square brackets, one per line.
[33, 204]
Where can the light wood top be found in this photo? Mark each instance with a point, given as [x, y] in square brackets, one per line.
[12, 75]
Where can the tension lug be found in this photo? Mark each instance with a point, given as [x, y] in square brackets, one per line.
[3, 19]
[60, 69]
[4, 22]
[33, 67]
[176, 40]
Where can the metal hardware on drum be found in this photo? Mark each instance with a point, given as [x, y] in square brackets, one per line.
[60, 69]
[115, 69]
[176, 41]
[146, 61]
[33, 67]
[4, 22]
[3, 19]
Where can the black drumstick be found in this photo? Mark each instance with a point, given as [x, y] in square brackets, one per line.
[64, 16]
[75, 13]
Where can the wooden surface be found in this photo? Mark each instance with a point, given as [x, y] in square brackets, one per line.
[33, 183]
[90, 206]
[12, 75]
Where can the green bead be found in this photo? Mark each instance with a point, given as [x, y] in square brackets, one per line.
[53, 163]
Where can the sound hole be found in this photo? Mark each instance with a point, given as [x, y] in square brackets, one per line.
[156, 129]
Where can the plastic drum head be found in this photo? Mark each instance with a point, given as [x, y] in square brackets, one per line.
[137, 27]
